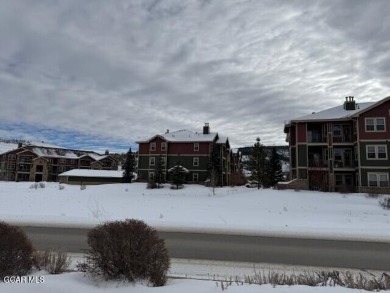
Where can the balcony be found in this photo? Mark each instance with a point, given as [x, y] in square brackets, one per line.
[315, 137]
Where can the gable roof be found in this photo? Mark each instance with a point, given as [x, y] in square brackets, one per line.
[339, 113]
[93, 173]
[335, 113]
[184, 135]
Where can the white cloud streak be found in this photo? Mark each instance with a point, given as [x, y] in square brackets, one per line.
[130, 69]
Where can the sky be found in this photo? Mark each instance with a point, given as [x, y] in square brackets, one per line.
[104, 74]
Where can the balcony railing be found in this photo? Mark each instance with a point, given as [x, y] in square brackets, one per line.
[315, 137]
[318, 164]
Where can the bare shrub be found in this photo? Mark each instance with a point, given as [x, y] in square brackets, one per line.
[322, 278]
[15, 251]
[373, 193]
[129, 250]
[52, 262]
[385, 203]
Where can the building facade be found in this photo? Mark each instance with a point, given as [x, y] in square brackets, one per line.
[39, 163]
[344, 148]
[192, 150]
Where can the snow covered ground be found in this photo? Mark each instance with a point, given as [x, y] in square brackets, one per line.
[238, 210]
[233, 210]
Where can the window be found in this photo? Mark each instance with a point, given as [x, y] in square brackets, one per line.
[151, 175]
[163, 146]
[375, 124]
[152, 161]
[163, 161]
[152, 146]
[337, 130]
[62, 161]
[195, 161]
[376, 152]
[11, 157]
[195, 177]
[378, 179]
[196, 146]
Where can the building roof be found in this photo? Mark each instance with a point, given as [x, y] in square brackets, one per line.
[335, 113]
[339, 113]
[184, 135]
[93, 173]
[55, 153]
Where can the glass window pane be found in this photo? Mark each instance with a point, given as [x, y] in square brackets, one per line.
[380, 124]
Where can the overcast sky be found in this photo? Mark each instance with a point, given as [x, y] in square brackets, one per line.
[102, 74]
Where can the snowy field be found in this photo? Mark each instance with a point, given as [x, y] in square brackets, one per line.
[237, 210]
[76, 282]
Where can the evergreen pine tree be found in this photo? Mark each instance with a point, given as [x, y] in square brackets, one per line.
[129, 167]
[274, 169]
[159, 174]
[257, 163]
[214, 167]
[178, 174]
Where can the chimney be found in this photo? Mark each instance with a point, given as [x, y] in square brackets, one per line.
[20, 145]
[167, 131]
[349, 103]
[206, 128]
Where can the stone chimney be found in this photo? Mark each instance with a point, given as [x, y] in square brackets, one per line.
[206, 128]
[20, 145]
[349, 103]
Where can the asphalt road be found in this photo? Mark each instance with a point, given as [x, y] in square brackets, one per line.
[255, 249]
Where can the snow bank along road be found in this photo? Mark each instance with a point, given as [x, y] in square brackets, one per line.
[243, 248]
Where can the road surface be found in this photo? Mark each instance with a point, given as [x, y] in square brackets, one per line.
[254, 249]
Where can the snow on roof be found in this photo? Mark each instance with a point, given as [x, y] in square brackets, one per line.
[6, 147]
[93, 173]
[43, 144]
[95, 156]
[335, 113]
[188, 135]
[222, 139]
[52, 152]
[180, 166]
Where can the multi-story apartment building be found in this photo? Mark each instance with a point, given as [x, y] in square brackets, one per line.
[41, 163]
[341, 148]
[192, 150]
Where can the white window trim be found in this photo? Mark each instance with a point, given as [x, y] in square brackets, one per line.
[152, 146]
[163, 149]
[376, 151]
[152, 161]
[151, 175]
[375, 124]
[195, 161]
[163, 161]
[196, 146]
[195, 175]
[377, 175]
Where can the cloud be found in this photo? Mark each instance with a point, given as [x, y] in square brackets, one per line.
[128, 69]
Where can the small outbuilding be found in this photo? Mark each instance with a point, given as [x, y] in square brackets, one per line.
[90, 177]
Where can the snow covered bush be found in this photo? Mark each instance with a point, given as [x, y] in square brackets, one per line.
[15, 251]
[385, 203]
[129, 250]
